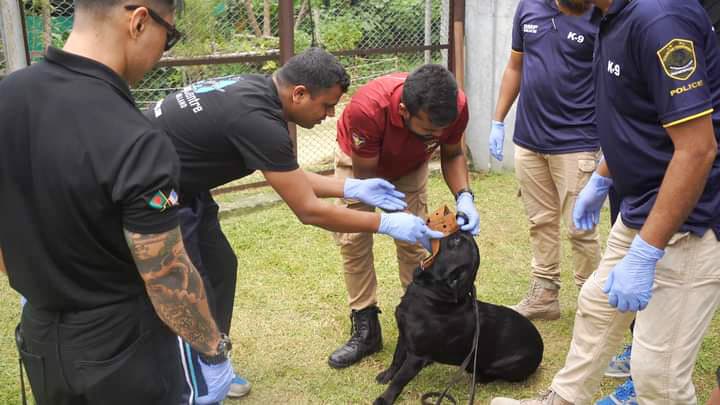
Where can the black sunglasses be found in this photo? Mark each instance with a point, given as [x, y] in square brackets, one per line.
[173, 35]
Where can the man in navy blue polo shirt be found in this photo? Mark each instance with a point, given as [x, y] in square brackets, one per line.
[556, 145]
[657, 80]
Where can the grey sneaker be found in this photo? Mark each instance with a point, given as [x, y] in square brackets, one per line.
[541, 302]
[548, 398]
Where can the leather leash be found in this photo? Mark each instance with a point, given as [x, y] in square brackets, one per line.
[443, 220]
[461, 371]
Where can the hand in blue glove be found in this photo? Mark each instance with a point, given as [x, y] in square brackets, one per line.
[218, 378]
[376, 192]
[629, 285]
[497, 140]
[586, 213]
[466, 206]
[407, 228]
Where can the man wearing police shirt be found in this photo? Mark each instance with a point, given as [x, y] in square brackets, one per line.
[226, 128]
[88, 235]
[556, 142]
[657, 81]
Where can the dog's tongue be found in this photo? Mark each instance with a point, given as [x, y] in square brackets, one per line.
[442, 220]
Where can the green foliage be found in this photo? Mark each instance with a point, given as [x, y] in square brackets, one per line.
[341, 32]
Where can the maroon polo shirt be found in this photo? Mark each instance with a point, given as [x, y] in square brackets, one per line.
[371, 126]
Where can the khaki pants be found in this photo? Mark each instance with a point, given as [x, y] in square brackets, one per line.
[549, 185]
[667, 334]
[356, 248]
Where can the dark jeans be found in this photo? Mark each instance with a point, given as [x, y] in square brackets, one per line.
[211, 254]
[216, 262]
[117, 354]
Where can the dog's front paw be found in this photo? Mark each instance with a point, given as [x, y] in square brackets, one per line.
[380, 401]
[384, 377]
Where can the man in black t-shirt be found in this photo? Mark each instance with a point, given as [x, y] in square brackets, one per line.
[90, 232]
[226, 128]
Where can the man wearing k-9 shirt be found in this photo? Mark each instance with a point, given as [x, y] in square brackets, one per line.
[390, 129]
[657, 82]
[556, 143]
[226, 128]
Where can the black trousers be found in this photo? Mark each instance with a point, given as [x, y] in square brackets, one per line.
[117, 354]
[211, 254]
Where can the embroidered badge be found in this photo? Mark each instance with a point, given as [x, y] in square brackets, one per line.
[358, 140]
[678, 59]
[161, 202]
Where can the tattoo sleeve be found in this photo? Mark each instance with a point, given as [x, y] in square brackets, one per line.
[175, 287]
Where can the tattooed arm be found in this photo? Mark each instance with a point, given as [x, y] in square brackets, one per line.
[175, 287]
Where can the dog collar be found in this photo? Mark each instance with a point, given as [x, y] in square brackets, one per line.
[442, 220]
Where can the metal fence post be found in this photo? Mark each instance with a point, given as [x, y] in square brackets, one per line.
[287, 48]
[428, 30]
[13, 35]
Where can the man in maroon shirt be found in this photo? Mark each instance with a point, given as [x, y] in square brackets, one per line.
[390, 129]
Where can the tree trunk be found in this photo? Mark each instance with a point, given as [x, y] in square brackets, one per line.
[46, 10]
[316, 26]
[252, 18]
[302, 12]
[266, 18]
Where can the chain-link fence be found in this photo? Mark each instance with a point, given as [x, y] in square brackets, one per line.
[226, 37]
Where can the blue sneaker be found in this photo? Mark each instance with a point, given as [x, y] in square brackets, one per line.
[624, 395]
[619, 366]
[239, 387]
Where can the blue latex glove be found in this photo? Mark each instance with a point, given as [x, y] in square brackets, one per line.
[629, 285]
[23, 301]
[497, 140]
[218, 378]
[466, 206]
[376, 192]
[407, 228]
[586, 213]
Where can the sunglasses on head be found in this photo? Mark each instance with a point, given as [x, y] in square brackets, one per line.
[173, 35]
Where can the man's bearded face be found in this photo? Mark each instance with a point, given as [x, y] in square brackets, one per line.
[574, 7]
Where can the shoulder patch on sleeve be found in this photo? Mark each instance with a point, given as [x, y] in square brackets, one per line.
[358, 140]
[678, 59]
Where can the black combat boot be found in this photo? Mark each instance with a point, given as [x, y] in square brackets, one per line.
[365, 340]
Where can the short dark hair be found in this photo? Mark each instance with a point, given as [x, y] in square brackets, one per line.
[315, 69]
[102, 4]
[431, 88]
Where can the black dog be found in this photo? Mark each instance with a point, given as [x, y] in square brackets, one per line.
[436, 323]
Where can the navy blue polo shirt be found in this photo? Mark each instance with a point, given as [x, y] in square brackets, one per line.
[657, 65]
[555, 112]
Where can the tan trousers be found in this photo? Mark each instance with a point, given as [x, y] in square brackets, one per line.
[549, 185]
[667, 334]
[356, 248]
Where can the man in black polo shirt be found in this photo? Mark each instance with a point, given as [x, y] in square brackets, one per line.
[657, 92]
[89, 229]
[226, 128]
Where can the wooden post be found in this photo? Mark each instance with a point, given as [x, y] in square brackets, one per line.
[287, 47]
[13, 35]
[456, 58]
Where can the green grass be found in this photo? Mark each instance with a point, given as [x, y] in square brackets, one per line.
[291, 311]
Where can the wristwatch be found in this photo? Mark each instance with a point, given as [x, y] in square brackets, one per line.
[464, 190]
[223, 349]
